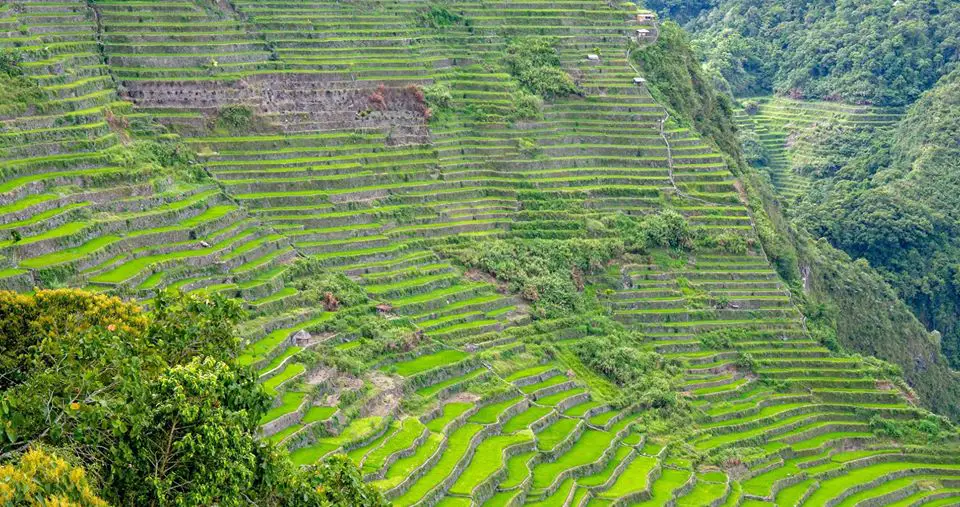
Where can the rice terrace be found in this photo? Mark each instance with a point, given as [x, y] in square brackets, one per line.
[465, 253]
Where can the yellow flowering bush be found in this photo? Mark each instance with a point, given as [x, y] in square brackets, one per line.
[42, 478]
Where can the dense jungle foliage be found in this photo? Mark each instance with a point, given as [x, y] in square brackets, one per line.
[894, 203]
[884, 53]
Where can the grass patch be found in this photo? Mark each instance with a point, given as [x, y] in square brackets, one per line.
[606, 473]
[488, 414]
[450, 412]
[410, 429]
[431, 390]
[588, 449]
[428, 362]
[291, 400]
[525, 418]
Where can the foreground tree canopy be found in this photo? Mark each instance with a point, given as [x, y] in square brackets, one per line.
[152, 406]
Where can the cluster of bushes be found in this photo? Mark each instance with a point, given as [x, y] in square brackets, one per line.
[322, 287]
[721, 339]
[236, 118]
[10, 62]
[664, 229]
[646, 378]
[438, 96]
[930, 429]
[438, 16]
[547, 273]
[17, 93]
[153, 407]
[156, 156]
[525, 106]
[535, 63]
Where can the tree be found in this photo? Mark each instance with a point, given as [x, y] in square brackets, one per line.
[209, 331]
[339, 482]
[188, 437]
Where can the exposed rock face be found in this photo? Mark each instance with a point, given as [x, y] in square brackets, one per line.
[299, 102]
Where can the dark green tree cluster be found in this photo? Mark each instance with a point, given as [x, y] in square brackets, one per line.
[882, 52]
[152, 406]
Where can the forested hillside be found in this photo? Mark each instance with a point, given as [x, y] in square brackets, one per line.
[894, 202]
[884, 52]
[460, 253]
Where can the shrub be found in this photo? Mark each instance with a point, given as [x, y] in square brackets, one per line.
[10, 60]
[18, 93]
[647, 378]
[526, 106]
[722, 338]
[162, 157]
[617, 358]
[438, 16]
[541, 270]
[314, 281]
[438, 96]
[746, 361]
[528, 147]
[235, 118]
[930, 429]
[665, 229]
[727, 241]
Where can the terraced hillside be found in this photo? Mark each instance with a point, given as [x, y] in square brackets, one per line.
[790, 131]
[358, 172]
